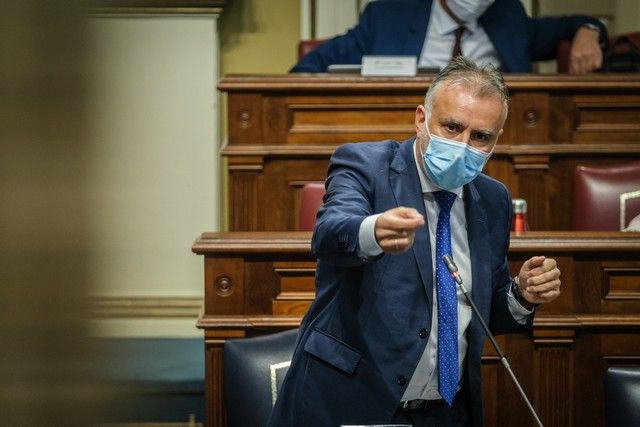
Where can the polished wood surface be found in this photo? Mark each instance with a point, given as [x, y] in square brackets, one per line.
[283, 129]
[261, 282]
[158, 6]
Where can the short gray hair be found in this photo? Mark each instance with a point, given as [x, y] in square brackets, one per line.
[483, 80]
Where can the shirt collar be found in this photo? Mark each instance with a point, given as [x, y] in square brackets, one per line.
[426, 184]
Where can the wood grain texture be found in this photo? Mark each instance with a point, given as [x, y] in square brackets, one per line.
[560, 363]
[284, 128]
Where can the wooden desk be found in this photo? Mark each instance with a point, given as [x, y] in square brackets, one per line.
[283, 129]
[257, 283]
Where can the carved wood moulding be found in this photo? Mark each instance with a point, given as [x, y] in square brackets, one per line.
[144, 307]
[158, 6]
[324, 82]
[300, 242]
[249, 152]
[253, 242]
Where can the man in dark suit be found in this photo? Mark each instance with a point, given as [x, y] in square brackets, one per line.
[498, 32]
[376, 346]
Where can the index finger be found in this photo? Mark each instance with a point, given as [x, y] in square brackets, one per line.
[407, 212]
[405, 219]
[534, 262]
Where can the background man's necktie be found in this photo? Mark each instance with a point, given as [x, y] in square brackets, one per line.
[447, 303]
[456, 46]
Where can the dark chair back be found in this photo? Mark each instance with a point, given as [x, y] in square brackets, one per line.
[622, 397]
[254, 369]
[310, 201]
[605, 198]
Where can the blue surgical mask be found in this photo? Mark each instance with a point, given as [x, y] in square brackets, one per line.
[469, 10]
[451, 164]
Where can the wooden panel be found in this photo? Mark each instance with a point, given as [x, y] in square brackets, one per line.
[244, 115]
[214, 398]
[224, 285]
[336, 119]
[296, 289]
[346, 123]
[607, 118]
[560, 363]
[622, 283]
[280, 201]
[285, 128]
[244, 188]
[295, 281]
[532, 176]
[620, 345]
[491, 368]
[554, 367]
[528, 120]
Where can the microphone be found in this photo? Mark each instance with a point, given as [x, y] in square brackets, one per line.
[453, 269]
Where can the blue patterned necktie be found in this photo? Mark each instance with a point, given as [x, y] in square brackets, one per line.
[447, 304]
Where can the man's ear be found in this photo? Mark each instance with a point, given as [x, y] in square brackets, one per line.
[420, 119]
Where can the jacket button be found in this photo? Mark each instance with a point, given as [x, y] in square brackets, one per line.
[423, 333]
[401, 380]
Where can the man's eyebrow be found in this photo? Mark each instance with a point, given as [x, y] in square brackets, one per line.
[485, 132]
[450, 120]
[489, 133]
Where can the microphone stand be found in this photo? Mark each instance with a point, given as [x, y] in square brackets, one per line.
[453, 269]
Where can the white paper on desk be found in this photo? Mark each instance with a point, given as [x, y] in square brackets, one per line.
[397, 65]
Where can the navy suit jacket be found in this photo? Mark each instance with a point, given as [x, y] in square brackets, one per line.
[362, 337]
[399, 27]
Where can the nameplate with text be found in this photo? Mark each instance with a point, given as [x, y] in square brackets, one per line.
[373, 65]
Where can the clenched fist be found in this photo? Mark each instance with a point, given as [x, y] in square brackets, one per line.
[396, 228]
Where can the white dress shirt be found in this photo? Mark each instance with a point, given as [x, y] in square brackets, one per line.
[424, 382]
[439, 41]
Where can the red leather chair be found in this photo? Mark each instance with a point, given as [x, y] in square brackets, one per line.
[562, 56]
[600, 192]
[310, 202]
[306, 46]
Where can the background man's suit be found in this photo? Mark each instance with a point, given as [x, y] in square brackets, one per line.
[399, 27]
[361, 339]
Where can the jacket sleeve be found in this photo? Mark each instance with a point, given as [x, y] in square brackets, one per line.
[346, 204]
[548, 32]
[520, 39]
[344, 49]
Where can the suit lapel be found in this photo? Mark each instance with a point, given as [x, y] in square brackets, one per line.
[418, 29]
[405, 185]
[480, 249]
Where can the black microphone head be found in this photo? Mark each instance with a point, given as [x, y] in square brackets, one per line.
[448, 262]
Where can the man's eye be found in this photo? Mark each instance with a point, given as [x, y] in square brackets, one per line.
[482, 137]
[451, 127]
